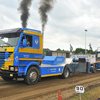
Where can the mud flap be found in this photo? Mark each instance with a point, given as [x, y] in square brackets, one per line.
[87, 67]
[39, 78]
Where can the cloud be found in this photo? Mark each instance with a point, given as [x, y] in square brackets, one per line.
[71, 18]
[66, 22]
[8, 16]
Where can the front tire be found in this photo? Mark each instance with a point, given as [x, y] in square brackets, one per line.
[7, 78]
[32, 76]
[66, 73]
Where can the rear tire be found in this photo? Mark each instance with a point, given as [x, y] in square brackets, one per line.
[7, 78]
[66, 73]
[32, 76]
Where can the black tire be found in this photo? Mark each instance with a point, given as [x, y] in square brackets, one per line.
[93, 69]
[32, 76]
[66, 73]
[7, 78]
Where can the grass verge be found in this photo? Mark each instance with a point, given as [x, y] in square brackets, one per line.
[90, 95]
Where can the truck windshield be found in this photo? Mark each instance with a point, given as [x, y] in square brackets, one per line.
[8, 41]
[10, 37]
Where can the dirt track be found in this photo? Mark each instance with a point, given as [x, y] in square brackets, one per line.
[48, 88]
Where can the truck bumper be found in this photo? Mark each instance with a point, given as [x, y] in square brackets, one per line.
[8, 74]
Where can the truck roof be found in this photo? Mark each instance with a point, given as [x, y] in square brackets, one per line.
[5, 33]
[32, 30]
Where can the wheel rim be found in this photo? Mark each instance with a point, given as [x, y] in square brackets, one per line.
[66, 73]
[33, 76]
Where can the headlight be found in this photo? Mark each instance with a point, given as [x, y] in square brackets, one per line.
[11, 68]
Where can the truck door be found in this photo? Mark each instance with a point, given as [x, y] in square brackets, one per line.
[26, 53]
[32, 52]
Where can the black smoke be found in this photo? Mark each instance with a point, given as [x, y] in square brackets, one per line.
[45, 7]
[24, 10]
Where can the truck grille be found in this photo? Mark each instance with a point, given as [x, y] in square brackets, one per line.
[4, 55]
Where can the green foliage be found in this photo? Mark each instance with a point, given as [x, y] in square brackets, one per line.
[82, 51]
[91, 51]
[79, 51]
[62, 50]
[58, 49]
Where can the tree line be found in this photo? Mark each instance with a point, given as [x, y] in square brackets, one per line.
[79, 51]
[76, 51]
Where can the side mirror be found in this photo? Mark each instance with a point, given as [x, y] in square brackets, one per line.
[24, 42]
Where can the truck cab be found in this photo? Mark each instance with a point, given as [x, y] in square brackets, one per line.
[21, 54]
[20, 49]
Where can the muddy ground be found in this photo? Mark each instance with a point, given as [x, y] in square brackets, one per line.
[48, 88]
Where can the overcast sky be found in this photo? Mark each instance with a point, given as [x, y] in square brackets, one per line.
[66, 22]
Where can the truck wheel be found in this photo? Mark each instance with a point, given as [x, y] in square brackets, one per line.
[93, 69]
[66, 73]
[7, 78]
[32, 76]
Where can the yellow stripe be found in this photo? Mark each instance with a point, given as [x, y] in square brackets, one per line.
[8, 49]
[34, 33]
[29, 50]
[51, 75]
[29, 59]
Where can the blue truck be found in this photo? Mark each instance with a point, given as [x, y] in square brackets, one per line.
[21, 56]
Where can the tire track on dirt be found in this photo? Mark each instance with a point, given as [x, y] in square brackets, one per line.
[45, 81]
[16, 87]
[63, 88]
[46, 91]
